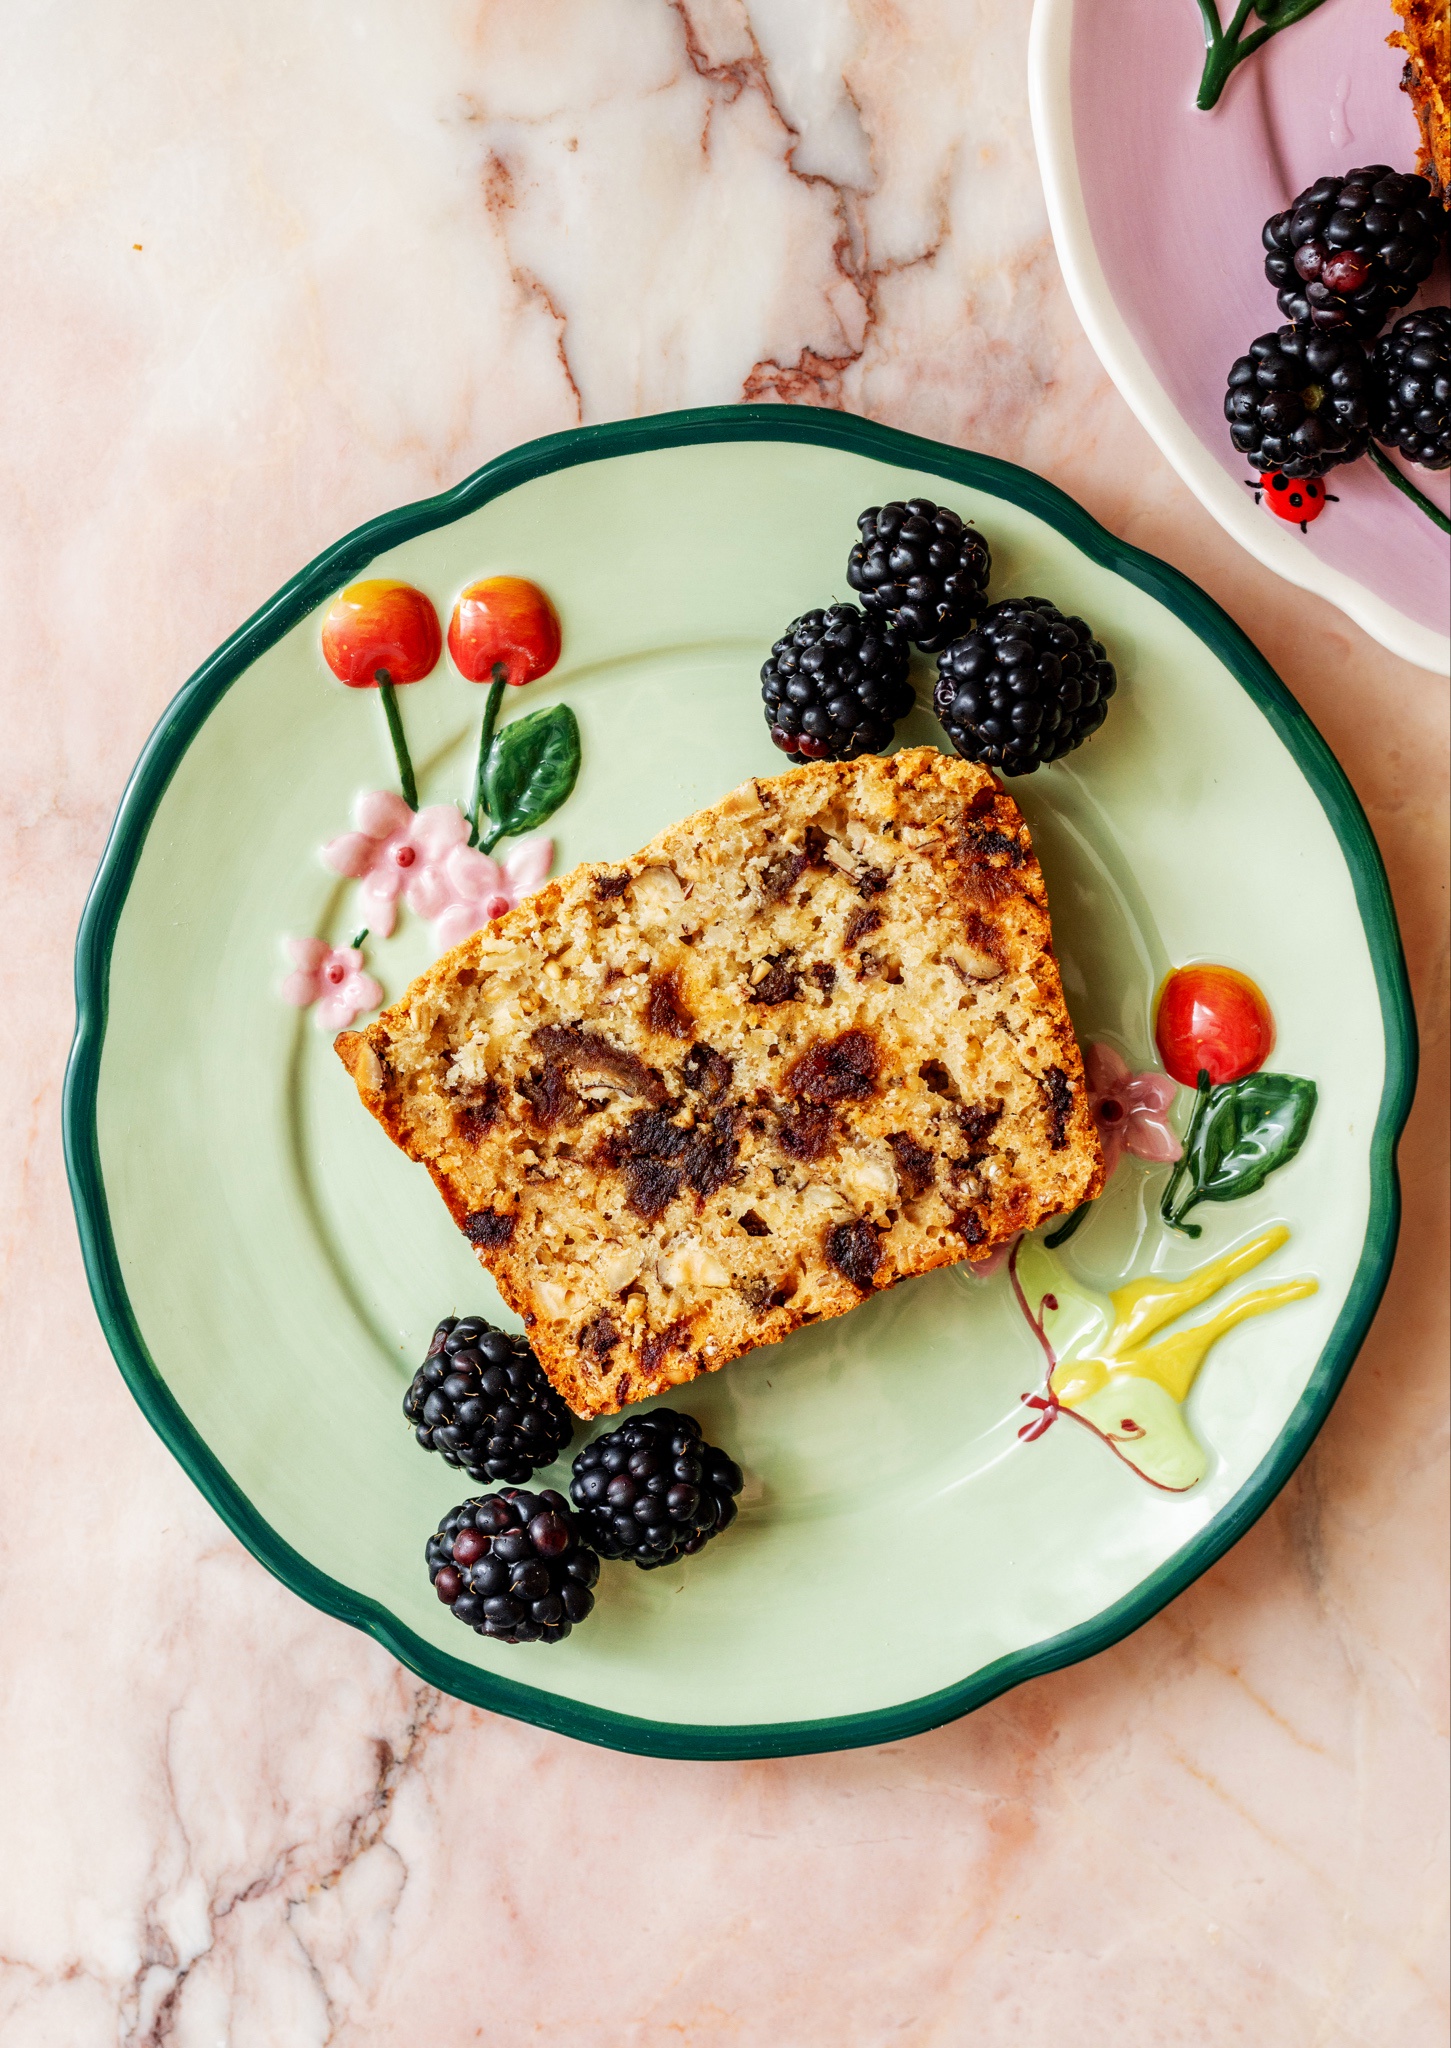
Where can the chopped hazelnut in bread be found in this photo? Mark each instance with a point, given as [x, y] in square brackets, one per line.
[805, 1044]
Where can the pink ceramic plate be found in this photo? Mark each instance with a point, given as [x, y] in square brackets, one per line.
[1157, 211]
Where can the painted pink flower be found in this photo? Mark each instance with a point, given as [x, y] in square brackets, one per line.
[398, 852]
[1131, 1110]
[333, 978]
[481, 888]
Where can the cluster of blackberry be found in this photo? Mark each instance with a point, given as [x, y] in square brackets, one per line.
[653, 1490]
[1027, 685]
[1316, 392]
[510, 1565]
[520, 1567]
[1018, 683]
[480, 1401]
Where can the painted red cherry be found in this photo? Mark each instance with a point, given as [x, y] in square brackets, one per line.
[504, 630]
[1299, 499]
[1212, 1020]
[380, 631]
[378, 635]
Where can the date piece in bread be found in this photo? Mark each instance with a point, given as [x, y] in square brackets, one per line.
[805, 1044]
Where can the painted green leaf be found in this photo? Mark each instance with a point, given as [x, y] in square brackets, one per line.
[532, 768]
[1240, 1133]
[1281, 13]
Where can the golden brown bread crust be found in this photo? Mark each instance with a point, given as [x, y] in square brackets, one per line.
[1425, 36]
[805, 1044]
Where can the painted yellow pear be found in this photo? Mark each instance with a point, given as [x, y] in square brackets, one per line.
[1103, 1368]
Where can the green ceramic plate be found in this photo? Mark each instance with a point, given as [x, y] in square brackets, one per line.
[268, 1269]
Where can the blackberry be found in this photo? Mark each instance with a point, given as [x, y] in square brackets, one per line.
[1025, 686]
[1299, 401]
[836, 684]
[653, 1490]
[921, 567]
[1350, 249]
[512, 1566]
[480, 1399]
[1410, 388]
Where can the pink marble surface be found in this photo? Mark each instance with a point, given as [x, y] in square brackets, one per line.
[377, 246]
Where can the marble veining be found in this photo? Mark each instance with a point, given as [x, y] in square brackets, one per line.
[273, 270]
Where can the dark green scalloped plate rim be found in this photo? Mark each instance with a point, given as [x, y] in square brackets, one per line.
[338, 566]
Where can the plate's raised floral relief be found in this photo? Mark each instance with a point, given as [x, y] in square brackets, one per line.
[437, 860]
[398, 852]
[1214, 1030]
[331, 977]
[483, 888]
[1131, 1110]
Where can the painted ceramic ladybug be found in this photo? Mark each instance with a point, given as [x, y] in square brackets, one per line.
[1296, 498]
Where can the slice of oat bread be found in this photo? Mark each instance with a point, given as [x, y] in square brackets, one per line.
[805, 1044]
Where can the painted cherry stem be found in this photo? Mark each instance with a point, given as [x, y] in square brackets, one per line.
[1181, 1164]
[478, 809]
[1224, 48]
[1066, 1230]
[1403, 483]
[401, 755]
